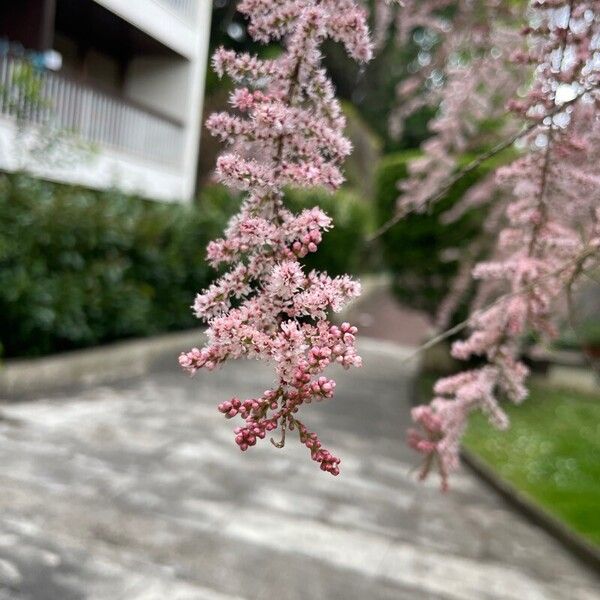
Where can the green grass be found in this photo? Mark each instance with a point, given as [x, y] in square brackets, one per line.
[551, 453]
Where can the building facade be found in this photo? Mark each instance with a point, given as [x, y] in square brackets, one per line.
[129, 88]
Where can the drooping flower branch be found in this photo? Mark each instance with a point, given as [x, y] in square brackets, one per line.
[550, 232]
[463, 70]
[287, 129]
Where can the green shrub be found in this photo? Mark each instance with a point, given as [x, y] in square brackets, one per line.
[413, 249]
[360, 166]
[81, 267]
[342, 249]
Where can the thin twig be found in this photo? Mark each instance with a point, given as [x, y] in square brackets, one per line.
[474, 164]
[463, 324]
[280, 443]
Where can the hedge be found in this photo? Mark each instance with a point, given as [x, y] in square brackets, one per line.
[413, 249]
[343, 248]
[81, 267]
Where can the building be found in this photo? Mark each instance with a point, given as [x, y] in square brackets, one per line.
[131, 85]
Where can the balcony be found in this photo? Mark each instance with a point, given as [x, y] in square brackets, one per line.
[185, 9]
[173, 23]
[97, 117]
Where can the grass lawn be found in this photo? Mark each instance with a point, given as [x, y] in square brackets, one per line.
[551, 453]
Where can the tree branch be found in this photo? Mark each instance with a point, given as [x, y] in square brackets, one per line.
[474, 164]
[578, 260]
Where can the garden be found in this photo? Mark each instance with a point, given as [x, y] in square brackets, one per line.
[444, 154]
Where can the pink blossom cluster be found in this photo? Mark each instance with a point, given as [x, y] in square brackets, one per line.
[285, 128]
[550, 227]
[465, 76]
[463, 72]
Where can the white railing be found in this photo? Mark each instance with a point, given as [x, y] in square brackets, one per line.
[92, 115]
[185, 8]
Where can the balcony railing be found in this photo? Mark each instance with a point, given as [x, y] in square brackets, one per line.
[93, 115]
[184, 8]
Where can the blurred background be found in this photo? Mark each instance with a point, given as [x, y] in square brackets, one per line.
[106, 205]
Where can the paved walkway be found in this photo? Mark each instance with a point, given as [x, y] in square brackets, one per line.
[137, 492]
[379, 315]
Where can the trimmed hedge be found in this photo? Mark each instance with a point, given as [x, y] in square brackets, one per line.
[81, 267]
[413, 249]
[342, 249]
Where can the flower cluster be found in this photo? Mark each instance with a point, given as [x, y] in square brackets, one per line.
[550, 230]
[462, 71]
[286, 129]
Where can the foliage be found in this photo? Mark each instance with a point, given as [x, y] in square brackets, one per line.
[550, 453]
[342, 249]
[24, 94]
[415, 249]
[80, 267]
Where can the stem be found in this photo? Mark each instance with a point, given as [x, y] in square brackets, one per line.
[474, 164]
[578, 260]
[281, 443]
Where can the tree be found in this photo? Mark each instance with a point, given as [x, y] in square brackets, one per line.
[546, 223]
[288, 131]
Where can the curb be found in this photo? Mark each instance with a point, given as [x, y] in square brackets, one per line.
[573, 542]
[23, 378]
[122, 360]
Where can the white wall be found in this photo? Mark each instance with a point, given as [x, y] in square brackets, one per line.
[159, 20]
[161, 83]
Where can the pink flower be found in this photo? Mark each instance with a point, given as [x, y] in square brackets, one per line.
[288, 131]
[544, 218]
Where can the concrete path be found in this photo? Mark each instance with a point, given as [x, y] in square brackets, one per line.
[137, 492]
[379, 315]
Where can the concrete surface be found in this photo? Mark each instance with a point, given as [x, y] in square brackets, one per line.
[136, 491]
[378, 314]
